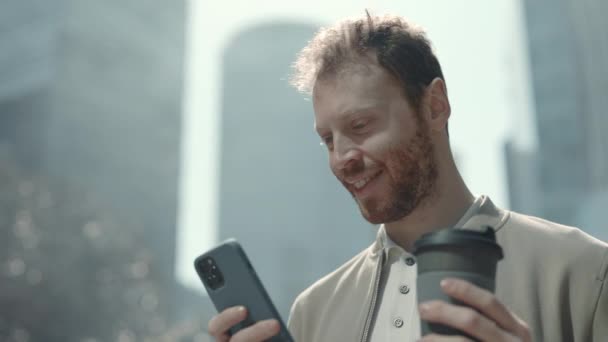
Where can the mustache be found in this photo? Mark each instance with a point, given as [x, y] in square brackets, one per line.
[353, 169]
[343, 175]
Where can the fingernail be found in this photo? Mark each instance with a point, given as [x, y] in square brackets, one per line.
[240, 308]
[447, 283]
[424, 307]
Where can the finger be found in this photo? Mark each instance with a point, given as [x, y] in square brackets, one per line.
[261, 331]
[443, 338]
[219, 325]
[464, 319]
[484, 301]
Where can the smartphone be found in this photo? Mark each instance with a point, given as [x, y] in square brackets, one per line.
[230, 280]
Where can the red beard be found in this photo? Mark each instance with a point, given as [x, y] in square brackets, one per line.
[411, 172]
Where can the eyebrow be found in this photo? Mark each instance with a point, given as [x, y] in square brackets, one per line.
[352, 114]
[318, 129]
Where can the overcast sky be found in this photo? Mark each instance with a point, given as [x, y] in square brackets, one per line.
[480, 45]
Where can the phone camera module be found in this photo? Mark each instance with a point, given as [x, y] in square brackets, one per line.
[211, 274]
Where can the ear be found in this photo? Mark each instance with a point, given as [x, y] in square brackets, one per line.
[438, 105]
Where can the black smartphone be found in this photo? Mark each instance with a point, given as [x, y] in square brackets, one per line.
[230, 280]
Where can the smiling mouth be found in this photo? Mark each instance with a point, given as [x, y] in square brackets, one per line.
[360, 184]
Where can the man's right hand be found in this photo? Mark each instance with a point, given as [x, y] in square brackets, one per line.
[260, 331]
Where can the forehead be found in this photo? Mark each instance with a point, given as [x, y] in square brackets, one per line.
[354, 89]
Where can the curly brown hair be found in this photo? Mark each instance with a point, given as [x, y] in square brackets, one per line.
[400, 47]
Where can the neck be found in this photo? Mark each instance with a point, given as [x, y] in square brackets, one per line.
[442, 209]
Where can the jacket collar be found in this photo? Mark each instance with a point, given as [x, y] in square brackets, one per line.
[482, 213]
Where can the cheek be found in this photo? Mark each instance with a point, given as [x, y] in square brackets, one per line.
[379, 147]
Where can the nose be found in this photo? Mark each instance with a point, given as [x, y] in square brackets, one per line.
[346, 157]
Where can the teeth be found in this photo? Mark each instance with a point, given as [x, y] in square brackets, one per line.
[361, 183]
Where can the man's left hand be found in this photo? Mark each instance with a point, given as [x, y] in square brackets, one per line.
[491, 322]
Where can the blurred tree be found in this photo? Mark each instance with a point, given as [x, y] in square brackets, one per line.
[68, 271]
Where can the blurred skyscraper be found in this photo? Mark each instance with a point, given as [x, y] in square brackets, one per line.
[28, 31]
[568, 45]
[116, 115]
[277, 194]
[115, 112]
[522, 168]
[90, 94]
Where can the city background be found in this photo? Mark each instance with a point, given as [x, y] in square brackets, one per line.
[135, 135]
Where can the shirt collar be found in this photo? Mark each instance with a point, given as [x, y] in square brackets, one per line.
[481, 213]
[390, 248]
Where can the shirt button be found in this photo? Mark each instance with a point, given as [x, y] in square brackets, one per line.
[398, 322]
[410, 261]
[404, 289]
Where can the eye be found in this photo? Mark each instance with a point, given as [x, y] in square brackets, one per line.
[327, 141]
[359, 124]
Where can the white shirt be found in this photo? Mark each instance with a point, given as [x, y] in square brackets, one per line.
[397, 317]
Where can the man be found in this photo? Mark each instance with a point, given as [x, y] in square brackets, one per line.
[381, 108]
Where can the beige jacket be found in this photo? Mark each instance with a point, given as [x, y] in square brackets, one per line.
[552, 276]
